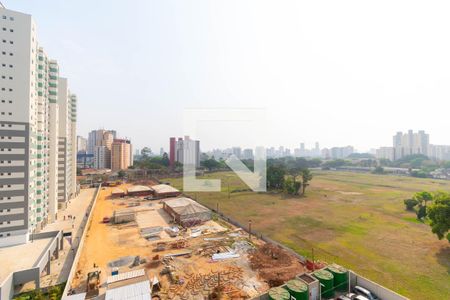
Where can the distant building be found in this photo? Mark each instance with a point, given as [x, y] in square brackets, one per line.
[385, 153]
[96, 141]
[247, 154]
[410, 143]
[102, 158]
[439, 152]
[81, 144]
[340, 152]
[121, 155]
[95, 138]
[237, 151]
[185, 151]
[172, 149]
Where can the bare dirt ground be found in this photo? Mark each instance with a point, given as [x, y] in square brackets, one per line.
[188, 276]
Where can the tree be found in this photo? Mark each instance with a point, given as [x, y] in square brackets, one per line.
[410, 204]
[146, 152]
[165, 160]
[275, 177]
[439, 215]
[290, 186]
[422, 198]
[378, 170]
[306, 178]
[121, 174]
[210, 164]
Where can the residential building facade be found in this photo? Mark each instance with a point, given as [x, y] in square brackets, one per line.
[121, 155]
[29, 130]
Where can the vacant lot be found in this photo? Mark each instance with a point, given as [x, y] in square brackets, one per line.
[357, 220]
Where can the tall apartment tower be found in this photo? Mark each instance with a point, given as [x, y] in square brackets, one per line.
[187, 151]
[100, 143]
[30, 123]
[410, 143]
[66, 143]
[121, 155]
[95, 138]
[172, 151]
[81, 144]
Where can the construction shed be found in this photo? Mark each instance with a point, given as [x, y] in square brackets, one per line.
[186, 211]
[117, 193]
[131, 285]
[139, 190]
[165, 191]
[123, 216]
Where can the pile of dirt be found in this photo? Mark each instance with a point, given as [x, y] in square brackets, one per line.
[274, 264]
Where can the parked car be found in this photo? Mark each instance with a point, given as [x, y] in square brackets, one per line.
[351, 296]
[364, 292]
[360, 297]
[106, 219]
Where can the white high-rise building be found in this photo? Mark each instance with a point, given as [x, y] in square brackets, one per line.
[81, 144]
[66, 143]
[29, 131]
[410, 143]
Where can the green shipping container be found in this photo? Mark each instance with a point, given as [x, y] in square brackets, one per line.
[340, 277]
[297, 289]
[326, 283]
[278, 293]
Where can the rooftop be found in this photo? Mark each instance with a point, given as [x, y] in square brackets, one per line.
[164, 188]
[185, 206]
[139, 188]
[20, 257]
[117, 191]
[135, 291]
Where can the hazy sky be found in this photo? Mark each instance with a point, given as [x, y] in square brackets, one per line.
[337, 72]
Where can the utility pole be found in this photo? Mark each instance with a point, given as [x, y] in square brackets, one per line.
[217, 207]
[314, 265]
[249, 229]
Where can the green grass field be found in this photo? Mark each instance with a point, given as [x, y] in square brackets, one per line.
[356, 220]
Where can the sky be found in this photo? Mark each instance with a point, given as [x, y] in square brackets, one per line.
[337, 72]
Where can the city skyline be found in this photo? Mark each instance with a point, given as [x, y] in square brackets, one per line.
[305, 90]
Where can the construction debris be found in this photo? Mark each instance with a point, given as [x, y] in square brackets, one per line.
[223, 256]
[274, 264]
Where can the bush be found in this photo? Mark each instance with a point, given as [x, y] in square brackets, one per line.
[410, 204]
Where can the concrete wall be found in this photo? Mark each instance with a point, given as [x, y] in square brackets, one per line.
[33, 273]
[7, 288]
[80, 246]
[380, 291]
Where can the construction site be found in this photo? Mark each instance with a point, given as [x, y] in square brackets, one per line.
[172, 248]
